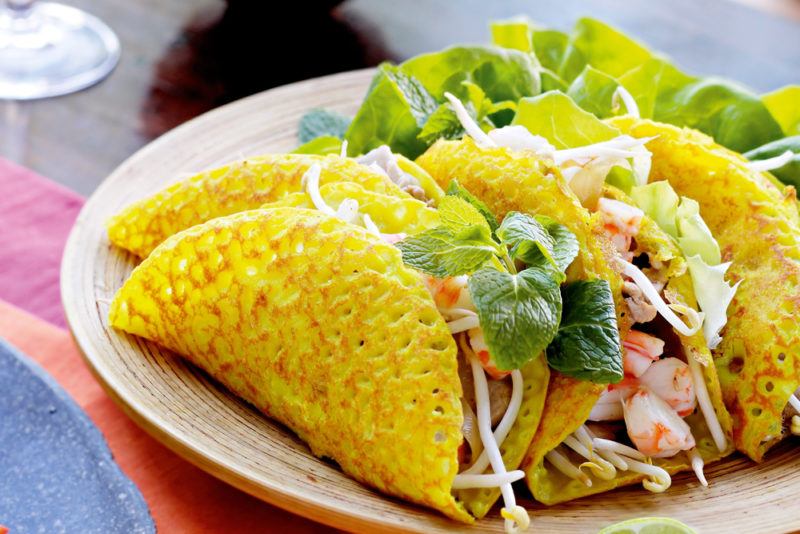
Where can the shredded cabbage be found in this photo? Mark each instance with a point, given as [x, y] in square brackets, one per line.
[713, 295]
[680, 218]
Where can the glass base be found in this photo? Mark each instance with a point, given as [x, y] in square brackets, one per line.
[53, 50]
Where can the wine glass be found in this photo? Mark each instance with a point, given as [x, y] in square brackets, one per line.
[49, 49]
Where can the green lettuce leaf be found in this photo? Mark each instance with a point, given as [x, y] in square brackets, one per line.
[695, 238]
[660, 202]
[503, 74]
[393, 113]
[784, 104]
[557, 118]
[519, 313]
[680, 218]
[587, 346]
[605, 48]
[593, 90]
[732, 114]
[512, 33]
[324, 144]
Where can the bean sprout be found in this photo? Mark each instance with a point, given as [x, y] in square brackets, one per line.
[468, 480]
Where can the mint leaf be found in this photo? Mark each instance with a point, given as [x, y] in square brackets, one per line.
[565, 247]
[519, 313]
[455, 189]
[319, 122]
[441, 252]
[587, 346]
[457, 214]
[442, 124]
[528, 239]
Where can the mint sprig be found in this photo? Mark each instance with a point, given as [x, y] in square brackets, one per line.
[528, 240]
[455, 189]
[519, 313]
[587, 346]
[441, 252]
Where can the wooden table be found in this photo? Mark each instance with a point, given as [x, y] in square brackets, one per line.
[183, 57]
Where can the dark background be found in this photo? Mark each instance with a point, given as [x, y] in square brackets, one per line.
[183, 57]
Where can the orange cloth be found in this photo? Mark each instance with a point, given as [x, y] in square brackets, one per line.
[181, 497]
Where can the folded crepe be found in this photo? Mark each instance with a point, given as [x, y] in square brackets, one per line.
[248, 184]
[756, 223]
[564, 445]
[317, 322]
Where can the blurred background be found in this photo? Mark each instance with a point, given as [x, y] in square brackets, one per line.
[181, 58]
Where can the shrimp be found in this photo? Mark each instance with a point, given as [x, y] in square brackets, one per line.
[654, 427]
[478, 344]
[671, 380]
[621, 222]
[641, 350]
[450, 292]
[609, 406]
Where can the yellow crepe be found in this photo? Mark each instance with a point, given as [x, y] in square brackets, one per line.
[513, 180]
[236, 187]
[392, 215]
[410, 216]
[321, 326]
[758, 228]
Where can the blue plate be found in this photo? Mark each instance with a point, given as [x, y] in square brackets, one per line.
[56, 471]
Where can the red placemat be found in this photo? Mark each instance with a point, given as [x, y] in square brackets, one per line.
[35, 218]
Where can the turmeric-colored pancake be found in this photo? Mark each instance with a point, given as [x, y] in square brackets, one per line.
[509, 180]
[516, 181]
[236, 187]
[758, 228]
[321, 326]
[392, 215]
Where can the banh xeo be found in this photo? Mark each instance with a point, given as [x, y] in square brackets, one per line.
[758, 364]
[667, 413]
[240, 296]
[542, 294]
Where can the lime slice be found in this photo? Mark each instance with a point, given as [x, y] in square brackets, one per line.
[649, 525]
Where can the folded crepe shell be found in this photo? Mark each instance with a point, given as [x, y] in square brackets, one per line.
[392, 215]
[509, 180]
[757, 226]
[535, 375]
[321, 326]
[239, 186]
